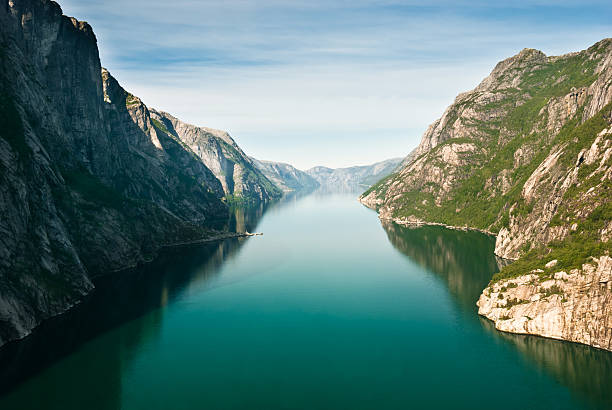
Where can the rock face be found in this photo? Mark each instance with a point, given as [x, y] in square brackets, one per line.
[574, 306]
[240, 177]
[355, 178]
[286, 177]
[526, 155]
[89, 183]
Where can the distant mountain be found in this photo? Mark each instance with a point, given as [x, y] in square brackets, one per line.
[240, 177]
[286, 177]
[353, 179]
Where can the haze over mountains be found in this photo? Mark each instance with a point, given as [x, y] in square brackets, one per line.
[353, 179]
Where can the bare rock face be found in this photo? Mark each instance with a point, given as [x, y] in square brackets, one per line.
[88, 184]
[239, 175]
[526, 155]
[481, 153]
[286, 177]
[574, 306]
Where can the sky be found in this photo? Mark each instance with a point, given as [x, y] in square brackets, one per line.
[323, 82]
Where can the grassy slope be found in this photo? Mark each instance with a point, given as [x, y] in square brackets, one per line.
[584, 242]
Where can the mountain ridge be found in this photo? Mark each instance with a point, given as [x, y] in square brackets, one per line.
[525, 155]
[287, 177]
[241, 179]
[352, 178]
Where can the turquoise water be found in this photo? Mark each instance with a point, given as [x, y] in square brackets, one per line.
[328, 310]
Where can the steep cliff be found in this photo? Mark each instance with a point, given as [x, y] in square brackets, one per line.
[354, 178]
[525, 155]
[241, 179]
[88, 183]
[574, 305]
[286, 177]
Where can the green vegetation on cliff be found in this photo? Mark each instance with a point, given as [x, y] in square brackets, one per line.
[523, 155]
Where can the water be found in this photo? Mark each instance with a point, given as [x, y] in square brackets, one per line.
[329, 309]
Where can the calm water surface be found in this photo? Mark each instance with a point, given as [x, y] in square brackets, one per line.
[328, 310]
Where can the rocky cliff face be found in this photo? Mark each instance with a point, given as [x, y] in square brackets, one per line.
[352, 179]
[88, 182]
[240, 177]
[525, 155]
[286, 177]
[572, 305]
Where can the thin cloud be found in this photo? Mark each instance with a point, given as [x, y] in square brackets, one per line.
[316, 74]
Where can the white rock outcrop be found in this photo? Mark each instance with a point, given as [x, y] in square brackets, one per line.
[574, 306]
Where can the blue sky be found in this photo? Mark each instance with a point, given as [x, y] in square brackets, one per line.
[333, 83]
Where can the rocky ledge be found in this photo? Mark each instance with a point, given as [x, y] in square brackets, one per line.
[575, 306]
[414, 222]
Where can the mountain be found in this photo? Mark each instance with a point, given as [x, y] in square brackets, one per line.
[241, 179]
[354, 178]
[527, 156]
[91, 180]
[286, 177]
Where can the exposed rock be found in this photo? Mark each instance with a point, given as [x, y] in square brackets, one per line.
[525, 155]
[575, 306]
[88, 183]
[240, 177]
[286, 177]
[551, 264]
[463, 149]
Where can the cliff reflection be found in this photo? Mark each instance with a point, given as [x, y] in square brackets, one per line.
[118, 299]
[585, 370]
[464, 260]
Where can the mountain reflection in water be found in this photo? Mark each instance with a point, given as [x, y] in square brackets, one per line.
[320, 312]
[465, 261]
[118, 299]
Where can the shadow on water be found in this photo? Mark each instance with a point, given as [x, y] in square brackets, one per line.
[585, 370]
[117, 300]
[465, 261]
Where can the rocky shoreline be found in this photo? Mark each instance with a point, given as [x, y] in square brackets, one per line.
[216, 238]
[417, 223]
[526, 154]
[573, 306]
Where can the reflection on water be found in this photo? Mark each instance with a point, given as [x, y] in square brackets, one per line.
[342, 188]
[466, 262]
[322, 298]
[120, 298]
[585, 370]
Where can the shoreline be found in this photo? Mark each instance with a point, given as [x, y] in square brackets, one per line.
[530, 316]
[415, 222]
[419, 223]
[220, 237]
[216, 238]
